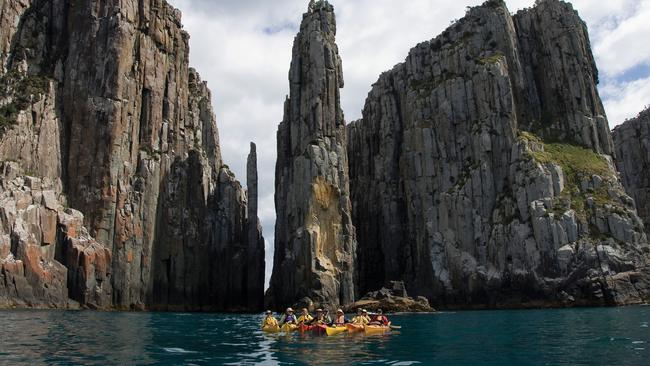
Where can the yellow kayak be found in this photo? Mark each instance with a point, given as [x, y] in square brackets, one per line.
[353, 328]
[335, 330]
[271, 329]
[376, 329]
[289, 328]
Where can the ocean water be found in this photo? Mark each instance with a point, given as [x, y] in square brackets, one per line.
[608, 336]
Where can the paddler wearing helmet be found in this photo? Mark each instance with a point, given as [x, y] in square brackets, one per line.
[361, 319]
[288, 317]
[340, 318]
[269, 320]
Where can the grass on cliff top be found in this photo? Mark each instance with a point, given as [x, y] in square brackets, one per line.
[573, 159]
[577, 163]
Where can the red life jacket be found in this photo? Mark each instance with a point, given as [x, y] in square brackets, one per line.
[381, 319]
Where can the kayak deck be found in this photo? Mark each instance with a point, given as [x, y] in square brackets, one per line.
[353, 328]
[271, 329]
[331, 331]
[289, 327]
[376, 329]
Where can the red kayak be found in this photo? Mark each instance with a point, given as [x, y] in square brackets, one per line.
[319, 329]
[304, 328]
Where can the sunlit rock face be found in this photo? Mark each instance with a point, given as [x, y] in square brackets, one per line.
[99, 101]
[314, 237]
[481, 171]
[632, 141]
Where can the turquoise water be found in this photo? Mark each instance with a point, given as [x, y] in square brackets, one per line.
[618, 336]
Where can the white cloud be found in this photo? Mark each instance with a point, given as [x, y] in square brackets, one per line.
[243, 48]
[626, 45]
[626, 100]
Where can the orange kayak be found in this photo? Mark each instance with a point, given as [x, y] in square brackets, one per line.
[352, 328]
[319, 328]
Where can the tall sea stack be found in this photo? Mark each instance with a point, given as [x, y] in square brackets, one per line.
[481, 171]
[314, 238]
[113, 191]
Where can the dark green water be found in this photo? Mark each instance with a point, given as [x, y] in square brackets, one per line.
[534, 337]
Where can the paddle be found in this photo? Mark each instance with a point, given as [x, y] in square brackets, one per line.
[395, 327]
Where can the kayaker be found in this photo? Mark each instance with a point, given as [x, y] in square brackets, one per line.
[288, 317]
[340, 318]
[269, 320]
[322, 317]
[380, 319]
[305, 317]
[360, 319]
[366, 316]
[326, 317]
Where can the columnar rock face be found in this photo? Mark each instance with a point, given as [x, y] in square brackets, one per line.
[256, 262]
[314, 237]
[481, 173]
[98, 99]
[632, 141]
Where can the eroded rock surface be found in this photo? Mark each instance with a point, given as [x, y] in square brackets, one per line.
[632, 141]
[98, 97]
[314, 237]
[481, 172]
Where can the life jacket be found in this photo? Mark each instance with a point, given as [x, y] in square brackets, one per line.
[381, 319]
[305, 318]
[270, 321]
[290, 318]
[340, 320]
[360, 319]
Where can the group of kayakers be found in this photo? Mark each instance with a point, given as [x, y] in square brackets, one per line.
[322, 317]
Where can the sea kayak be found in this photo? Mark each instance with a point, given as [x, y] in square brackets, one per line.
[377, 329]
[319, 329]
[271, 329]
[289, 328]
[335, 330]
[353, 328]
[304, 328]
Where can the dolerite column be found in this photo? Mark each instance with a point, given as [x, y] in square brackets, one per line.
[314, 237]
[256, 263]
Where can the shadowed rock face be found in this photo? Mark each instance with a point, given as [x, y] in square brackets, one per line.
[99, 99]
[632, 141]
[481, 174]
[314, 237]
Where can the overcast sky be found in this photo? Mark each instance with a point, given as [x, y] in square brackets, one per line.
[243, 49]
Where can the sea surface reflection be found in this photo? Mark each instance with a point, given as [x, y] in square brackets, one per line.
[535, 337]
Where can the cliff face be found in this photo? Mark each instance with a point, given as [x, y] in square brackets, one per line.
[314, 237]
[632, 141]
[99, 101]
[481, 174]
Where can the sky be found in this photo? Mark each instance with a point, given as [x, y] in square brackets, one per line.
[242, 48]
